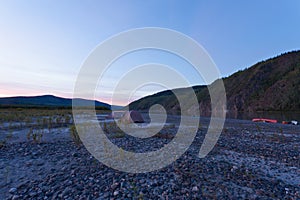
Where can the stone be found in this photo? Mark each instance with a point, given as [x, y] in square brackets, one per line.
[195, 189]
[15, 197]
[12, 190]
[116, 193]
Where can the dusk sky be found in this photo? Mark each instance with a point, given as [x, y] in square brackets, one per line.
[44, 43]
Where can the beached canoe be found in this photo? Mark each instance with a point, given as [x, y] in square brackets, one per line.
[294, 122]
[264, 120]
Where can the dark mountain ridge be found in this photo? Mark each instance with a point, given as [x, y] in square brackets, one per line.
[270, 85]
[46, 101]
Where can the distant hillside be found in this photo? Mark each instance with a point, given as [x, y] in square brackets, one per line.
[45, 101]
[271, 85]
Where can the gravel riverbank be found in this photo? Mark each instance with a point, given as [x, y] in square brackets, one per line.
[250, 161]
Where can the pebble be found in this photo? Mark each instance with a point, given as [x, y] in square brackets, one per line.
[116, 193]
[32, 194]
[12, 190]
[15, 197]
[195, 189]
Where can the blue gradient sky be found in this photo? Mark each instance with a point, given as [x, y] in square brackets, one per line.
[44, 43]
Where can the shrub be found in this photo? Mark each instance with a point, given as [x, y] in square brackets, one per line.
[34, 135]
[74, 135]
[2, 143]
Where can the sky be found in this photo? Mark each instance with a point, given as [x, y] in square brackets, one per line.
[44, 43]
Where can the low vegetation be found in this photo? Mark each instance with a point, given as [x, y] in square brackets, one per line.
[38, 121]
[75, 135]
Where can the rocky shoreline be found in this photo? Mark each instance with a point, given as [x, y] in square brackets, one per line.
[250, 161]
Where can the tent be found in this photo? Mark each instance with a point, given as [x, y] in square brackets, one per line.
[132, 117]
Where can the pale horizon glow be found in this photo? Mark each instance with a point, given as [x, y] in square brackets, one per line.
[43, 44]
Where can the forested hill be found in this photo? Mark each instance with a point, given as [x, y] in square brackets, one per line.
[272, 85]
[46, 101]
